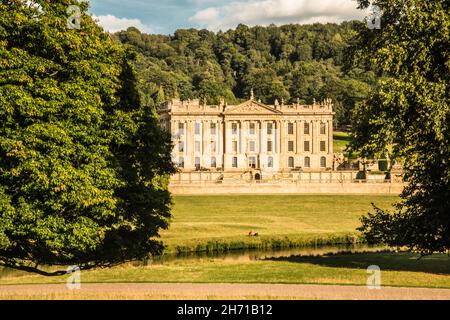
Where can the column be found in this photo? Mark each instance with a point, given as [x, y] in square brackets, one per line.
[227, 136]
[283, 161]
[217, 141]
[299, 136]
[220, 142]
[226, 144]
[190, 136]
[173, 128]
[240, 124]
[207, 154]
[174, 138]
[185, 138]
[330, 137]
[259, 143]
[277, 137]
[205, 137]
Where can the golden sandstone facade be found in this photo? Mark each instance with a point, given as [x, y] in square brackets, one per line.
[250, 136]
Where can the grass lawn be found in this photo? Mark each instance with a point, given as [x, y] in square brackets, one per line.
[341, 140]
[397, 269]
[308, 219]
[202, 219]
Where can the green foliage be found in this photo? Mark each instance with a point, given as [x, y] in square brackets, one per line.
[294, 63]
[82, 162]
[408, 117]
[269, 243]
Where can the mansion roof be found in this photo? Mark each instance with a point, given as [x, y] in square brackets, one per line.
[249, 107]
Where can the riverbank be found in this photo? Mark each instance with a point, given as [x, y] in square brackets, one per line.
[218, 224]
[337, 268]
[222, 223]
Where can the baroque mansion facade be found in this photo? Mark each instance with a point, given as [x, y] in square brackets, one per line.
[251, 136]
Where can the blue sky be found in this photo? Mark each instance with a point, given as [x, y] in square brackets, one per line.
[165, 16]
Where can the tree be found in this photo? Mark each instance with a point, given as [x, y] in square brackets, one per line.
[266, 86]
[408, 115]
[83, 163]
[184, 64]
[213, 93]
[304, 52]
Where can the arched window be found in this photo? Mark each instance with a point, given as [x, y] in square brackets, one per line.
[307, 162]
[181, 162]
[270, 162]
[323, 162]
[291, 162]
[213, 162]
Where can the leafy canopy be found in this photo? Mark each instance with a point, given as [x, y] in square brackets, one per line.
[408, 116]
[83, 163]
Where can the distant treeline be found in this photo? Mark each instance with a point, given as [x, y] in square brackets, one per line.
[291, 63]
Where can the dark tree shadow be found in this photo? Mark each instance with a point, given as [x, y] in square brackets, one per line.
[346, 139]
[387, 261]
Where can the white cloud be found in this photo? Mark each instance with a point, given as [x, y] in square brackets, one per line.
[207, 15]
[264, 12]
[113, 24]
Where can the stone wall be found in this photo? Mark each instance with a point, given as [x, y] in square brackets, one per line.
[288, 183]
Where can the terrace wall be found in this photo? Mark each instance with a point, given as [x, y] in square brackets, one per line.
[288, 183]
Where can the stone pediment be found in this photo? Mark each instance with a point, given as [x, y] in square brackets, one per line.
[251, 107]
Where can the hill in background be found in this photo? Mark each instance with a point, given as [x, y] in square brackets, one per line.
[291, 63]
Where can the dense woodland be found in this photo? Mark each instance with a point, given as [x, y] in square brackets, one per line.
[291, 63]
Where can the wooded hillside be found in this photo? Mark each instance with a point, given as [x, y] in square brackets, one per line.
[291, 63]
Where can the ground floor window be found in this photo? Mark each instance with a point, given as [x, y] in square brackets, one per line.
[197, 163]
[291, 162]
[235, 162]
[252, 162]
[323, 162]
[307, 162]
[213, 162]
[181, 162]
[270, 162]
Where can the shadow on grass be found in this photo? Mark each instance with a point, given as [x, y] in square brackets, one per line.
[387, 261]
[342, 138]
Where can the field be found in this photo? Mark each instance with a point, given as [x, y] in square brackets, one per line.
[204, 223]
[302, 219]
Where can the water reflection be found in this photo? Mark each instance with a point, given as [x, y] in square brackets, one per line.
[251, 255]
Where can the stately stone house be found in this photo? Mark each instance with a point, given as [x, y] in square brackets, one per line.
[250, 136]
